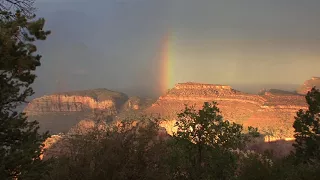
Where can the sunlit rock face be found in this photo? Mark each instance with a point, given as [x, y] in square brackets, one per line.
[270, 109]
[307, 85]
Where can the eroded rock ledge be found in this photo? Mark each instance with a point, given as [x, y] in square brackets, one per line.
[78, 101]
[210, 92]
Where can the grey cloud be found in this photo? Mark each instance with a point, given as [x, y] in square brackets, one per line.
[118, 45]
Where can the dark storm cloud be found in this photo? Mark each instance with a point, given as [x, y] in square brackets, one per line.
[116, 44]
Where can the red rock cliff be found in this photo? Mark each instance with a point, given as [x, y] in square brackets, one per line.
[272, 108]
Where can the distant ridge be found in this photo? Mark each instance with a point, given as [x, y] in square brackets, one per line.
[276, 92]
[308, 84]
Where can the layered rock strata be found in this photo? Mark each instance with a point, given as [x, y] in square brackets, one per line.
[269, 109]
[78, 101]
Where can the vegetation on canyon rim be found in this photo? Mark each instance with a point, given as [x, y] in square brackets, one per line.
[206, 146]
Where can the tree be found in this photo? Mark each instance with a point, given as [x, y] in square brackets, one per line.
[208, 138]
[307, 130]
[207, 127]
[20, 142]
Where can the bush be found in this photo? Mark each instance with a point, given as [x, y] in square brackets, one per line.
[288, 169]
[126, 150]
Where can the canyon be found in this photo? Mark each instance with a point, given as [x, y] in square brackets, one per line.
[271, 111]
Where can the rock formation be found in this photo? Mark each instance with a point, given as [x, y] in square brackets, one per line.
[78, 101]
[307, 85]
[272, 108]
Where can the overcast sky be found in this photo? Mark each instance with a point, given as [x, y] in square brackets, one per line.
[116, 44]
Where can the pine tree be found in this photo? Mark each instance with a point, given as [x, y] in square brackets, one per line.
[20, 141]
[307, 130]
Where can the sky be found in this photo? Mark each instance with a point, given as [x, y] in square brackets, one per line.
[117, 44]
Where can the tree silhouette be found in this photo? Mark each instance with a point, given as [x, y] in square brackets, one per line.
[307, 129]
[20, 142]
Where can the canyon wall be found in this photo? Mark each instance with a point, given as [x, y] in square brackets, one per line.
[78, 101]
[271, 111]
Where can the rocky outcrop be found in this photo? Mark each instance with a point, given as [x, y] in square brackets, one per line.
[78, 101]
[307, 85]
[269, 107]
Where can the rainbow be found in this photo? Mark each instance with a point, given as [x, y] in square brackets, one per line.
[167, 62]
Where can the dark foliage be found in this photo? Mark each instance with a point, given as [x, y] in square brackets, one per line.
[307, 130]
[20, 142]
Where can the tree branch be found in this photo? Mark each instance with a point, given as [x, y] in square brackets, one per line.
[24, 6]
